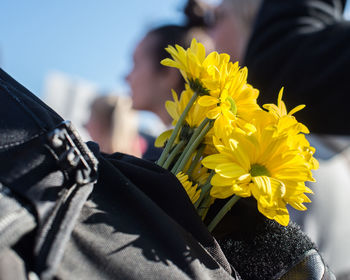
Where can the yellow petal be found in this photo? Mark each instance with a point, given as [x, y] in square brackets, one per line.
[298, 206]
[221, 192]
[221, 181]
[282, 218]
[246, 178]
[174, 94]
[268, 191]
[214, 113]
[213, 160]
[160, 141]
[169, 62]
[171, 108]
[240, 155]
[207, 101]
[296, 109]
[242, 190]
[230, 170]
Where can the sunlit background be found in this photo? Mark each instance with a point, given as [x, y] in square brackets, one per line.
[91, 40]
[67, 51]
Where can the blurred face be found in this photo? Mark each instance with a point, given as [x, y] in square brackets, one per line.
[227, 32]
[99, 132]
[145, 79]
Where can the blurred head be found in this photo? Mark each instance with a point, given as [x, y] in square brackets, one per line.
[151, 82]
[99, 124]
[234, 20]
[113, 125]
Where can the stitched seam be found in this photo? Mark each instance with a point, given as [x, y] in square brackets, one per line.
[21, 142]
[7, 88]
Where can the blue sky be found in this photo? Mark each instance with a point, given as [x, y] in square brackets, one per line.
[93, 40]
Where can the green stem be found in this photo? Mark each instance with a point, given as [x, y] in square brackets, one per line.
[192, 139]
[205, 189]
[193, 146]
[195, 161]
[204, 207]
[198, 130]
[173, 153]
[227, 207]
[176, 130]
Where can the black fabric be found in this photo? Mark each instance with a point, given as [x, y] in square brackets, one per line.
[303, 45]
[260, 248]
[129, 220]
[15, 219]
[22, 114]
[137, 223]
[41, 173]
[162, 187]
[24, 121]
[273, 250]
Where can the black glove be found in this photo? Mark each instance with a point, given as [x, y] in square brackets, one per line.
[260, 248]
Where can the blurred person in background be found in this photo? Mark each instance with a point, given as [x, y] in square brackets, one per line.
[150, 82]
[113, 125]
[304, 46]
[232, 26]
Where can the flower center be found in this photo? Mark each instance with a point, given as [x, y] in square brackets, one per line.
[233, 105]
[258, 170]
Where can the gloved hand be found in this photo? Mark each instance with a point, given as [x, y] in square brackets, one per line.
[260, 248]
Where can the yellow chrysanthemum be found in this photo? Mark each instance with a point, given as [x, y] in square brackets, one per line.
[175, 108]
[262, 165]
[190, 62]
[232, 96]
[302, 144]
[224, 128]
[286, 124]
[228, 94]
[199, 71]
[191, 189]
[280, 110]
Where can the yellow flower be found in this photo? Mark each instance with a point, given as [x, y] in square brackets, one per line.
[191, 189]
[175, 108]
[280, 109]
[301, 143]
[189, 62]
[262, 165]
[286, 124]
[227, 93]
[199, 70]
[162, 138]
[232, 95]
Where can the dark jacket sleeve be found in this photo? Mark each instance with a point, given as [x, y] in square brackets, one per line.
[304, 46]
[68, 214]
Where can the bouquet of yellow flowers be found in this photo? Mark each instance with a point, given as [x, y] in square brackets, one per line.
[225, 146]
